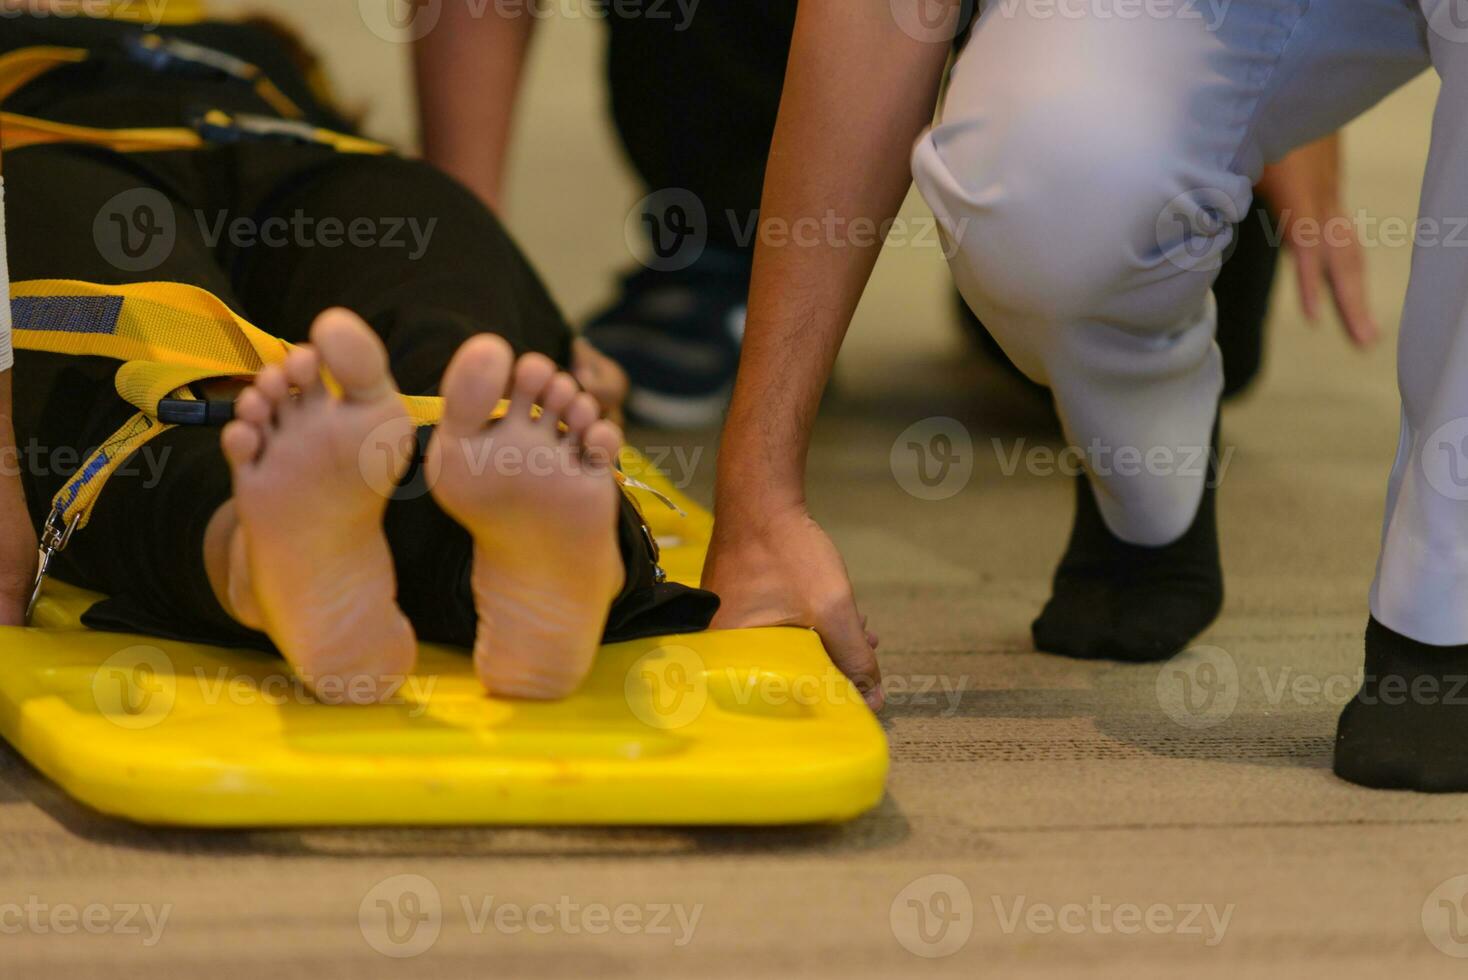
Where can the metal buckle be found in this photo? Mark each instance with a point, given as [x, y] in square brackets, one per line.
[55, 536]
[659, 576]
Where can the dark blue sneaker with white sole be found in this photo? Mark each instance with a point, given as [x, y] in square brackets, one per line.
[678, 336]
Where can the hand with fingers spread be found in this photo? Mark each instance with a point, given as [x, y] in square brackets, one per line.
[1303, 190]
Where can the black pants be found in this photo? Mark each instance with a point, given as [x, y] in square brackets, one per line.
[424, 296]
[695, 101]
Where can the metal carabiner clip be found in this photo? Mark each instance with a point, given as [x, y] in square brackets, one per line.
[55, 536]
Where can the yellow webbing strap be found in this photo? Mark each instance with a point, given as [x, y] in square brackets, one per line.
[18, 132]
[22, 66]
[166, 334]
[167, 337]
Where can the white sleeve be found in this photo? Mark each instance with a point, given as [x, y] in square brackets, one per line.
[7, 358]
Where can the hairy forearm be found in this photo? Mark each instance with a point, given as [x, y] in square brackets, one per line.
[857, 94]
[468, 73]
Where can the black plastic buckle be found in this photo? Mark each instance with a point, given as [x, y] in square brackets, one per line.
[221, 127]
[172, 56]
[180, 411]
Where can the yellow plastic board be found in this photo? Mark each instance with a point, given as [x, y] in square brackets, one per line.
[745, 727]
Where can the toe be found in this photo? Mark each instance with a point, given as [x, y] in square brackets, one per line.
[583, 411]
[253, 407]
[274, 386]
[241, 443]
[303, 370]
[532, 373]
[602, 443]
[475, 382]
[354, 355]
[557, 397]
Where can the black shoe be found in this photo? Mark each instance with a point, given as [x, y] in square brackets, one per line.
[678, 336]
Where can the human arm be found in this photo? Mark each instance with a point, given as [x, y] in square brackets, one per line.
[468, 70]
[1303, 191]
[858, 92]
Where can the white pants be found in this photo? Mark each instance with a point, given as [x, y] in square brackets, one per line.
[1090, 160]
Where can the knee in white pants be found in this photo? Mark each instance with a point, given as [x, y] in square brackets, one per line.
[1065, 210]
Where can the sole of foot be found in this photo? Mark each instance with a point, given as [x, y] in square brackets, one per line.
[537, 492]
[313, 471]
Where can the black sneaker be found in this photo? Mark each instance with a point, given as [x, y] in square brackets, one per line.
[678, 336]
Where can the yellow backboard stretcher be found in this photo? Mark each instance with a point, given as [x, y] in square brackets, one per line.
[744, 727]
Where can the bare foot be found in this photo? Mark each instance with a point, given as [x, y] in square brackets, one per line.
[602, 377]
[542, 507]
[309, 563]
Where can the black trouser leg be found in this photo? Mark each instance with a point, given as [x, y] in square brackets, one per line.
[695, 102]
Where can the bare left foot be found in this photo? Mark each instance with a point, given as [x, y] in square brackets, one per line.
[602, 377]
[542, 507]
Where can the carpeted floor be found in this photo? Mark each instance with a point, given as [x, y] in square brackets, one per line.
[1044, 818]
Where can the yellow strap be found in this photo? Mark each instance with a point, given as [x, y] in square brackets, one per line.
[18, 132]
[21, 67]
[168, 336]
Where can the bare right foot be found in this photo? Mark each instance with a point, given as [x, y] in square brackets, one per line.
[542, 507]
[309, 562]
